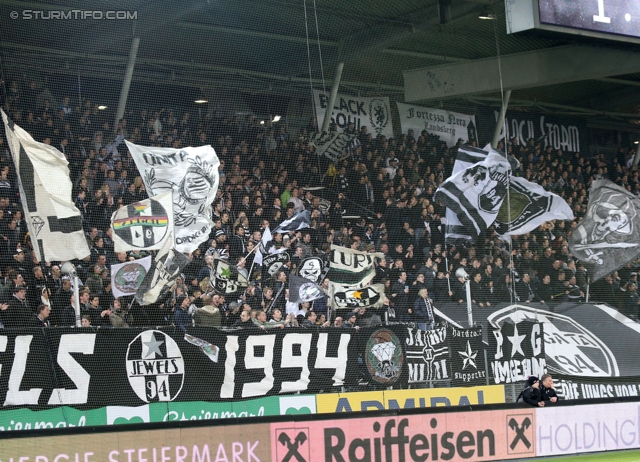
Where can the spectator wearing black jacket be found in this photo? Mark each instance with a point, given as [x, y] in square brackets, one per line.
[531, 394]
[547, 390]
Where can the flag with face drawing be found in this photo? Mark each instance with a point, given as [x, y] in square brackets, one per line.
[609, 235]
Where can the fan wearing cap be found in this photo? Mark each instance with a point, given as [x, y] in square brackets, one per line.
[531, 393]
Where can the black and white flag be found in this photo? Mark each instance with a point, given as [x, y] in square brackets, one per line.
[226, 279]
[467, 356]
[352, 267]
[272, 263]
[311, 268]
[302, 290]
[143, 225]
[528, 206]
[516, 351]
[191, 174]
[476, 193]
[53, 221]
[427, 354]
[347, 297]
[609, 235]
[166, 268]
[334, 145]
[298, 221]
[467, 156]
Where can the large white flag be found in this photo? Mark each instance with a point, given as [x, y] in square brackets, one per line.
[476, 193]
[143, 225]
[54, 223]
[528, 206]
[192, 175]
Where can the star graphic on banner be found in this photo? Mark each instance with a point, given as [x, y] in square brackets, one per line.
[225, 273]
[153, 346]
[357, 294]
[516, 341]
[469, 357]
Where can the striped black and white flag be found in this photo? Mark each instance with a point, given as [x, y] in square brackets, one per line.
[467, 156]
[475, 194]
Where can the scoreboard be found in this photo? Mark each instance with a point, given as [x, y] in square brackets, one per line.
[605, 19]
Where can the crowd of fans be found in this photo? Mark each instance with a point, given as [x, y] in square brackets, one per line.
[265, 177]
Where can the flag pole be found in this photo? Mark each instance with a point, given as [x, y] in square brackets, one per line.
[245, 258]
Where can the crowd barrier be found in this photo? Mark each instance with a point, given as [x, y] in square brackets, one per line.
[493, 432]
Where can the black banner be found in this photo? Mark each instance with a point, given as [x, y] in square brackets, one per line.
[559, 132]
[427, 355]
[568, 387]
[467, 357]
[516, 351]
[88, 368]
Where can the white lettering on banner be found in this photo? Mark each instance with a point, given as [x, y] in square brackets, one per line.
[557, 136]
[518, 370]
[570, 389]
[371, 112]
[288, 359]
[15, 396]
[195, 453]
[73, 343]
[590, 428]
[69, 343]
[251, 361]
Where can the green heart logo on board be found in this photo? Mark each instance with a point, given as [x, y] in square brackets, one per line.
[296, 411]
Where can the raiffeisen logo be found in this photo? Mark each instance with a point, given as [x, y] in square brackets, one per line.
[395, 440]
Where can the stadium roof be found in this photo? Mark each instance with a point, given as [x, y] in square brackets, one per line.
[261, 47]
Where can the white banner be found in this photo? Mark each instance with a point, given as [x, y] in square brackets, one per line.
[192, 175]
[591, 428]
[449, 126]
[143, 225]
[374, 112]
[53, 221]
[127, 277]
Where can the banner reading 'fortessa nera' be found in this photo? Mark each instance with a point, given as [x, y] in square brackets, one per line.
[448, 126]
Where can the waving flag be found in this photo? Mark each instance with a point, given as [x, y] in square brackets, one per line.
[53, 221]
[143, 225]
[298, 221]
[609, 235]
[167, 267]
[529, 206]
[476, 193]
[191, 175]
